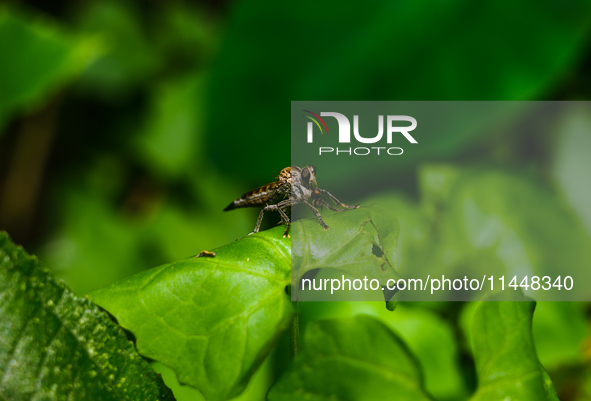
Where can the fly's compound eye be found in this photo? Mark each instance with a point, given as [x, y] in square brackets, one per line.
[306, 176]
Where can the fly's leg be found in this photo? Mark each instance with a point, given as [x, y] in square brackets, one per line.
[286, 204]
[334, 209]
[283, 205]
[334, 199]
[317, 213]
[318, 202]
[286, 232]
[260, 219]
[278, 207]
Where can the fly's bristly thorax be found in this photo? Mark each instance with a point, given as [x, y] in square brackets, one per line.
[285, 175]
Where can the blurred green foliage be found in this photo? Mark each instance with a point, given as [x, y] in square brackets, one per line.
[36, 58]
[384, 50]
[126, 127]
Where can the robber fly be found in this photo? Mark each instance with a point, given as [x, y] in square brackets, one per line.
[294, 185]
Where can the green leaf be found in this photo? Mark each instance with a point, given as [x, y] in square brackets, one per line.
[361, 242]
[429, 337]
[54, 345]
[504, 352]
[351, 359]
[415, 243]
[432, 340]
[561, 330]
[493, 221]
[36, 59]
[212, 319]
[181, 393]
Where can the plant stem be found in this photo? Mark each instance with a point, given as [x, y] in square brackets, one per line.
[294, 334]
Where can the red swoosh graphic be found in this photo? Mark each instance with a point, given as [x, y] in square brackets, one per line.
[320, 118]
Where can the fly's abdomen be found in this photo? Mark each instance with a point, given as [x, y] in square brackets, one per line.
[261, 196]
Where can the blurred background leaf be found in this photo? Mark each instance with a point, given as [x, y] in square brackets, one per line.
[38, 57]
[130, 61]
[571, 164]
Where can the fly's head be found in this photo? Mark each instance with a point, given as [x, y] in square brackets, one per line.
[301, 182]
[308, 177]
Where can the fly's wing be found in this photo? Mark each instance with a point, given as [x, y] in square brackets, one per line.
[262, 196]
